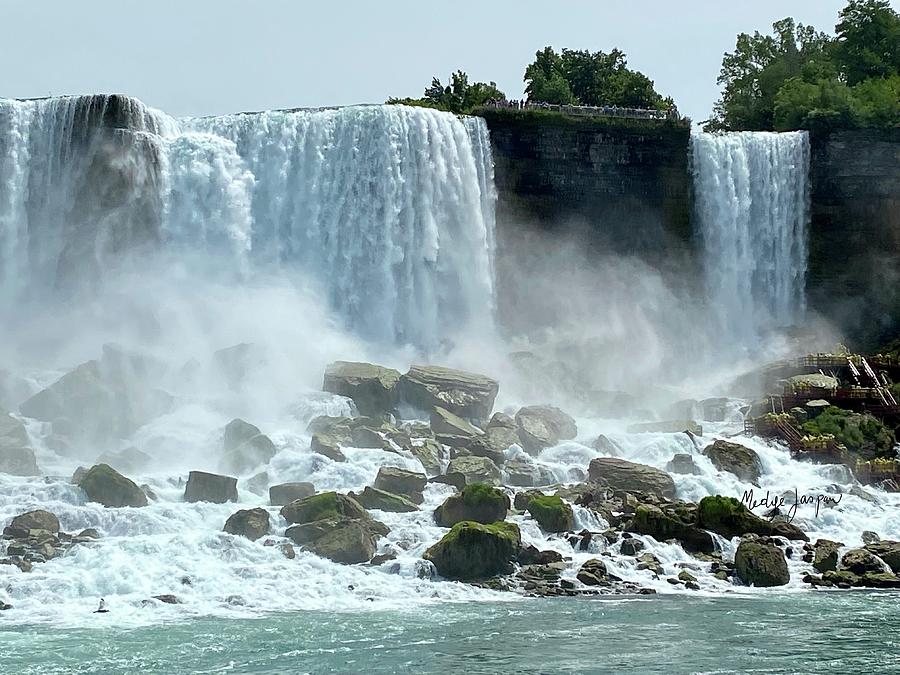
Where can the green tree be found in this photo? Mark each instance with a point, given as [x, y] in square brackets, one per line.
[589, 78]
[458, 96]
[755, 71]
[868, 41]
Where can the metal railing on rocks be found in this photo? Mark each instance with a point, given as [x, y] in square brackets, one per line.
[587, 110]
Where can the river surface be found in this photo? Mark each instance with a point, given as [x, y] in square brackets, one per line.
[816, 632]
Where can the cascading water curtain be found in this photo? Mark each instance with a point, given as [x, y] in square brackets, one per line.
[389, 210]
[751, 197]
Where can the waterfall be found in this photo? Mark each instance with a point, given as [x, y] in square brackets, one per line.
[387, 210]
[751, 201]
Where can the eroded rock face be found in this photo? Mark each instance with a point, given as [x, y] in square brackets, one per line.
[373, 388]
[543, 426]
[620, 474]
[735, 458]
[210, 487]
[476, 551]
[16, 456]
[245, 447]
[107, 486]
[888, 551]
[762, 565]
[478, 503]
[468, 395]
[249, 523]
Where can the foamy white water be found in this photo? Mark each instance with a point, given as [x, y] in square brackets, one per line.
[751, 200]
[381, 206]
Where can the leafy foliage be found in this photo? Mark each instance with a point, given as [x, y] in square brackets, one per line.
[858, 432]
[458, 96]
[801, 78]
[590, 78]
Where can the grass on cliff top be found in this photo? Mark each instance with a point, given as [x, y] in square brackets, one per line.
[858, 432]
[559, 118]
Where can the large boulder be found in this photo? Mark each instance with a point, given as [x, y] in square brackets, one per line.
[105, 485]
[285, 493]
[476, 470]
[468, 395]
[373, 498]
[342, 540]
[373, 388]
[249, 523]
[477, 502]
[446, 423]
[762, 565]
[859, 561]
[409, 484]
[36, 520]
[730, 518]
[476, 551]
[683, 463]
[334, 526]
[678, 522]
[245, 447]
[428, 451]
[324, 505]
[552, 513]
[825, 555]
[328, 446]
[210, 487]
[543, 426]
[16, 457]
[526, 474]
[817, 383]
[735, 458]
[889, 551]
[105, 400]
[620, 474]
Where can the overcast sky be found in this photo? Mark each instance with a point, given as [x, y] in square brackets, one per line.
[199, 57]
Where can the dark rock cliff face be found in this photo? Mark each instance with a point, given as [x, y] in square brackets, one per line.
[854, 248]
[588, 184]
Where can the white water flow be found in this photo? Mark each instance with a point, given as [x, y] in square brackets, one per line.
[751, 197]
[268, 236]
[387, 209]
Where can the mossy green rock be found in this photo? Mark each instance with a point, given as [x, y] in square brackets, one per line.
[107, 486]
[676, 524]
[343, 540]
[860, 433]
[476, 551]
[324, 505]
[761, 565]
[373, 498]
[730, 518]
[552, 513]
[477, 502]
